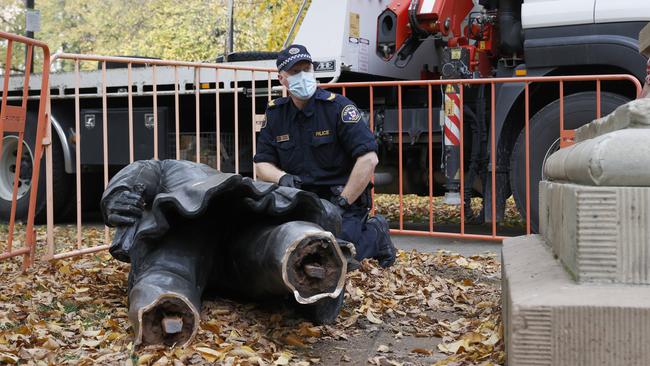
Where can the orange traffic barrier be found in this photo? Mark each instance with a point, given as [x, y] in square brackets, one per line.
[219, 71]
[217, 77]
[223, 81]
[566, 137]
[13, 128]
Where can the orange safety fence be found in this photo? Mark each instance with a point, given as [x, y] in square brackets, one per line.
[566, 138]
[216, 90]
[16, 133]
[206, 78]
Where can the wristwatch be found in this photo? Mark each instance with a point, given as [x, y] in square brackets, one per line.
[341, 202]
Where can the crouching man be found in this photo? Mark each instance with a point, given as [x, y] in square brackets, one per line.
[316, 140]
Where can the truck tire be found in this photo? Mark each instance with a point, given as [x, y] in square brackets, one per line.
[579, 109]
[63, 183]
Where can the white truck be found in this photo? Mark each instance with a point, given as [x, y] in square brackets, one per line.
[370, 40]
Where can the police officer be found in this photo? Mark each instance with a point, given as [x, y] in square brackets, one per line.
[315, 140]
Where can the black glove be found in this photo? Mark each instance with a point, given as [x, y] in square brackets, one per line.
[124, 208]
[289, 180]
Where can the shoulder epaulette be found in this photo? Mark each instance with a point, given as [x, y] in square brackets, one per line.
[325, 95]
[277, 102]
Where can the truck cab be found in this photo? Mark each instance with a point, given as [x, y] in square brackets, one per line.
[416, 40]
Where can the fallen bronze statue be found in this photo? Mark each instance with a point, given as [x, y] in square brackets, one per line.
[190, 231]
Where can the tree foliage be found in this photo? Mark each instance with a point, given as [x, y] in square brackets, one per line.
[170, 29]
[12, 20]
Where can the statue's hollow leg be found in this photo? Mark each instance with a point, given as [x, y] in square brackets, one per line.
[168, 281]
[297, 258]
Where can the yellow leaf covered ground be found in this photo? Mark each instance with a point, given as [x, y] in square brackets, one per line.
[441, 309]
[416, 209]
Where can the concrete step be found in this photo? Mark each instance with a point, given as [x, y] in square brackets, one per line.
[601, 234]
[549, 319]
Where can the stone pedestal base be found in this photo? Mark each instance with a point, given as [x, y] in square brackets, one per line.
[601, 234]
[551, 320]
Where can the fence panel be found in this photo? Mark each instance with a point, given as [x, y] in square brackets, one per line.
[566, 138]
[159, 85]
[223, 133]
[21, 142]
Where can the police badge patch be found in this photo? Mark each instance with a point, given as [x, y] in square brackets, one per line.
[294, 50]
[350, 114]
[282, 138]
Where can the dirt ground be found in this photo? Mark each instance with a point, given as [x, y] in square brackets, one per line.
[428, 309]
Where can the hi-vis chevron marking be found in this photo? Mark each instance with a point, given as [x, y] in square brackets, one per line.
[452, 116]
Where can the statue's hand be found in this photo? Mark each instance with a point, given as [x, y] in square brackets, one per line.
[124, 208]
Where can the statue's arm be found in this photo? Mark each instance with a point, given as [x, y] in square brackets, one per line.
[138, 178]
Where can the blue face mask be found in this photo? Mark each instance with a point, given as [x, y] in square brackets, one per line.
[302, 85]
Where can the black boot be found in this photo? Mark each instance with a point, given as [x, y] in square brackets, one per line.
[386, 252]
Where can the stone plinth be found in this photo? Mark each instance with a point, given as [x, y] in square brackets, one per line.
[600, 234]
[552, 320]
[578, 294]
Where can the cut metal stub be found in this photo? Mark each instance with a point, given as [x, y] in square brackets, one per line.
[171, 320]
[172, 325]
[315, 267]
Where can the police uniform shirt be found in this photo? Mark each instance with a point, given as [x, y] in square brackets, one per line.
[319, 143]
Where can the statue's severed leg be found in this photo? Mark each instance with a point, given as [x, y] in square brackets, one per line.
[297, 258]
[166, 282]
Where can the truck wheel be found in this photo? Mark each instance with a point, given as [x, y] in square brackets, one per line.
[579, 109]
[62, 181]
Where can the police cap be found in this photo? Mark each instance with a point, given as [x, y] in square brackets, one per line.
[291, 55]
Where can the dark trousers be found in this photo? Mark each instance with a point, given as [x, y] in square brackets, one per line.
[355, 229]
[354, 226]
